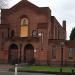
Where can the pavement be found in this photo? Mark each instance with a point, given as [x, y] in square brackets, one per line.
[23, 73]
[4, 67]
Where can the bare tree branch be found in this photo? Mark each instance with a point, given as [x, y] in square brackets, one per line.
[4, 3]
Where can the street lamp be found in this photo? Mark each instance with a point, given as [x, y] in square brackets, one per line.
[41, 35]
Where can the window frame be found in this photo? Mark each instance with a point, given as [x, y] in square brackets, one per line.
[24, 21]
[54, 52]
[26, 26]
[70, 53]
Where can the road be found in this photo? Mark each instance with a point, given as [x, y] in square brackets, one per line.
[22, 73]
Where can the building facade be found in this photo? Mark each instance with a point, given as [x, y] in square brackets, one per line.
[29, 34]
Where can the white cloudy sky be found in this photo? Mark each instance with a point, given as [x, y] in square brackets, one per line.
[62, 9]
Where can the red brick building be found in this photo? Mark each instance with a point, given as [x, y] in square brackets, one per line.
[29, 34]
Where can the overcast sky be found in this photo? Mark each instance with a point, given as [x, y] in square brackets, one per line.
[62, 9]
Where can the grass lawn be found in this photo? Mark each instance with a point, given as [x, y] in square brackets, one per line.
[45, 69]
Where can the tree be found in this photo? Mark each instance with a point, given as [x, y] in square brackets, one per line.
[3, 3]
[72, 35]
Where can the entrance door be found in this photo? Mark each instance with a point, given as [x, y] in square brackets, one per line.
[13, 54]
[29, 54]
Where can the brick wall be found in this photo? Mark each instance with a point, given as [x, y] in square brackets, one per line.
[4, 56]
[41, 57]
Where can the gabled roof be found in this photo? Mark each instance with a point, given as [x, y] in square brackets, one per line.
[24, 3]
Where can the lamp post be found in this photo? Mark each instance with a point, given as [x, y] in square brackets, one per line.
[62, 44]
[41, 35]
[16, 69]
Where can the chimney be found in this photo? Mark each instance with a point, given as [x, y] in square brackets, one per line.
[64, 25]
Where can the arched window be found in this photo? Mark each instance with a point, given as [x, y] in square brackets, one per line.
[24, 27]
[13, 54]
[24, 21]
[29, 46]
[13, 46]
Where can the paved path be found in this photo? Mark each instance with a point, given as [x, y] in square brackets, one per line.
[4, 67]
[22, 73]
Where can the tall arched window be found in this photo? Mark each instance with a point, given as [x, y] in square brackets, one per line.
[24, 21]
[24, 27]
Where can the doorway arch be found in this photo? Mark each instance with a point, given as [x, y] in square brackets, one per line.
[13, 54]
[29, 54]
